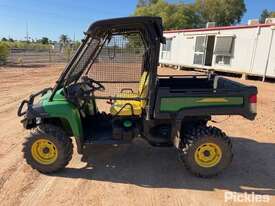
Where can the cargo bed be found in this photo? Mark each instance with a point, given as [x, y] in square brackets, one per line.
[202, 95]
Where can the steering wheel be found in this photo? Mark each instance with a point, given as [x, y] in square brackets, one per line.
[95, 85]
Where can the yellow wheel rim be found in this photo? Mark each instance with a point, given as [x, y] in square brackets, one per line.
[44, 151]
[208, 155]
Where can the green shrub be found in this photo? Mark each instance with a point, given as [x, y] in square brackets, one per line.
[4, 52]
[68, 51]
[25, 45]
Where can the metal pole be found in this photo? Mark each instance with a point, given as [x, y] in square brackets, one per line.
[269, 51]
[27, 31]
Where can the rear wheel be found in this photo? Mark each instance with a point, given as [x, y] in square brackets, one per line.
[48, 149]
[205, 151]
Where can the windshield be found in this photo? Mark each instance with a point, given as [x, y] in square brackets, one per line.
[88, 54]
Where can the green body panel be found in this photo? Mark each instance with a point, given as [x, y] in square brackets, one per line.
[59, 107]
[173, 104]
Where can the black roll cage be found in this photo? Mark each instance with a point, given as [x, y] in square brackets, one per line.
[151, 32]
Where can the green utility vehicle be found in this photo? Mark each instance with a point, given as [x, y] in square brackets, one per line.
[110, 92]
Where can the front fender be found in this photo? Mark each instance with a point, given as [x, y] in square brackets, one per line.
[64, 110]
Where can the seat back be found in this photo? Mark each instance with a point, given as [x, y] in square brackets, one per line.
[143, 87]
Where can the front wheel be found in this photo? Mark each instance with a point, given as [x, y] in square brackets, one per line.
[205, 151]
[48, 149]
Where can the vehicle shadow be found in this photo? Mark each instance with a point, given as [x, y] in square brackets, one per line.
[252, 170]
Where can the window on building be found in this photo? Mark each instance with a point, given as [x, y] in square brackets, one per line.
[223, 60]
[224, 45]
[167, 45]
[200, 44]
[224, 49]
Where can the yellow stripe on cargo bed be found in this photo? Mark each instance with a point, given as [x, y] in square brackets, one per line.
[216, 100]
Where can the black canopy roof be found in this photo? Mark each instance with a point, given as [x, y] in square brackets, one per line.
[128, 23]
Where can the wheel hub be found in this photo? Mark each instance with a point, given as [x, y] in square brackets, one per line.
[208, 155]
[44, 151]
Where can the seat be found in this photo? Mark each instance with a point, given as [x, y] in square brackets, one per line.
[132, 107]
[126, 108]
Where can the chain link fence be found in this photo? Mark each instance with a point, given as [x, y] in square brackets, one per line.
[30, 56]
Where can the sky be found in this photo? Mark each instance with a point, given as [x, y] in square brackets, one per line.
[51, 18]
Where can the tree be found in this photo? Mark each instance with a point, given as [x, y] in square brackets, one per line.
[223, 12]
[174, 16]
[193, 15]
[4, 39]
[64, 39]
[146, 2]
[141, 3]
[266, 14]
[44, 40]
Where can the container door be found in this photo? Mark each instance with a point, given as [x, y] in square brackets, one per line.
[200, 48]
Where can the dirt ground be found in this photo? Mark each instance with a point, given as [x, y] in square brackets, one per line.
[136, 174]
